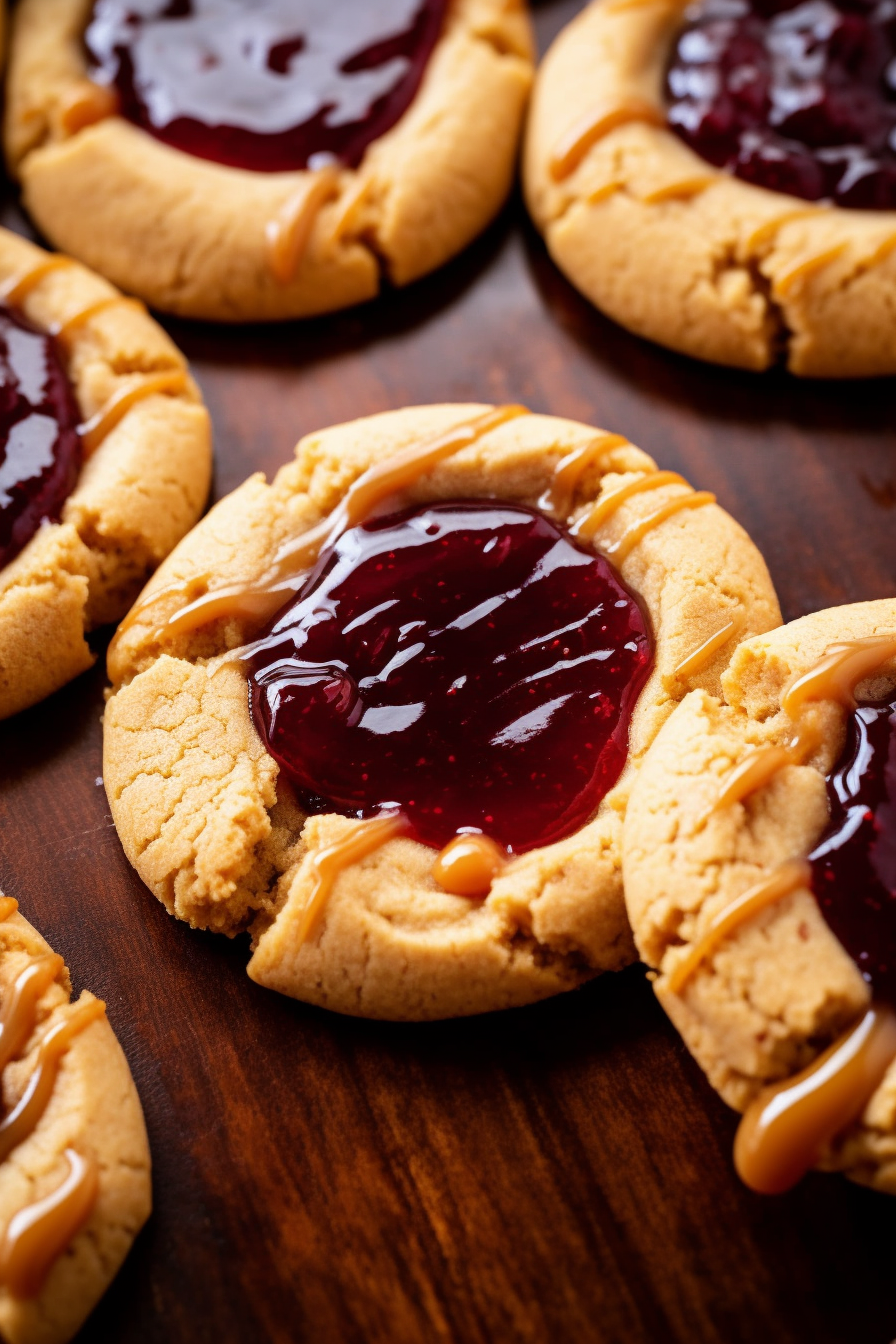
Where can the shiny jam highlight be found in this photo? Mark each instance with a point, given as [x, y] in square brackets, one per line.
[40, 451]
[466, 663]
[854, 865]
[799, 98]
[274, 86]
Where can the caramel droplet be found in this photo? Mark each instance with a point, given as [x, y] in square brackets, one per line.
[838, 673]
[19, 1015]
[38, 1234]
[785, 1129]
[288, 234]
[468, 865]
[365, 838]
[705, 652]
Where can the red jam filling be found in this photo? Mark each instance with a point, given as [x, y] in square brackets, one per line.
[40, 451]
[854, 866]
[799, 98]
[273, 86]
[466, 663]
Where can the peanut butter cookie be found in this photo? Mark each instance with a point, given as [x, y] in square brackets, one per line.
[273, 164]
[760, 880]
[105, 465]
[679, 248]
[501, 649]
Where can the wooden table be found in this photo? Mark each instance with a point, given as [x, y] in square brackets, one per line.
[557, 1173]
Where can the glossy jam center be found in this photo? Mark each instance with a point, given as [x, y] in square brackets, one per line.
[797, 98]
[40, 452]
[467, 663]
[273, 86]
[854, 866]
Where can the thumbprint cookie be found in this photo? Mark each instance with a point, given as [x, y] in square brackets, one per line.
[74, 1158]
[721, 178]
[760, 878]
[384, 713]
[105, 459]
[267, 161]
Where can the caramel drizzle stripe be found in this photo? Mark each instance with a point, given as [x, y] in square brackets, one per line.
[288, 234]
[258, 601]
[580, 138]
[39, 1233]
[790, 877]
[621, 549]
[85, 104]
[63, 331]
[18, 287]
[570, 469]
[23, 1118]
[787, 280]
[788, 1125]
[705, 652]
[364, 839]
[100, 425]
[607, 506]
[834, 677]
[683, 190]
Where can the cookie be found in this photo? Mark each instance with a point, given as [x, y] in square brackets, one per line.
[359, 915]
[74, 1158]
[678, 249]
[105, 465]
[756, 879]
[302, 212]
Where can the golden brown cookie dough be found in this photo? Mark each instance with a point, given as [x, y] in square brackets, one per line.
[216, 836]
[189, 236]
[780, 987]
[94, 1112]
[679, 251]
[137, 494]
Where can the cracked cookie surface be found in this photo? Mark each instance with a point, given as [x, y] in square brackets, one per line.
[679, 251]
[94, 1111]
[136, 495]
[190, 236]
[217, 835]
[780, 988]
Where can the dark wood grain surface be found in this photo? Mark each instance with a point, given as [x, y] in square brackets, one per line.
[557, 1173]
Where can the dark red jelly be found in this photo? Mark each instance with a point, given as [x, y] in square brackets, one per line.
[800, 98]
[465, 662]
[854, 866]
[40, 451]
[271, 86]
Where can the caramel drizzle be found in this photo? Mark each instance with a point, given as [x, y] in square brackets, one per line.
[64, 331]
[787, 1126]
[364, 839]
[621, 549]
[100, 425]
[38, 1234]
[575, 144]
[288, 234]
[685, 189]
[607, 505]
[834, 677]
[790, 877]
[705, 652]
[18, 287]
[468, 865]
[570, 469]
[259, 601]
[801, 270]
[85, 104]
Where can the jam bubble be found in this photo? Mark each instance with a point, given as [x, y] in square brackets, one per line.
[465, 662]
